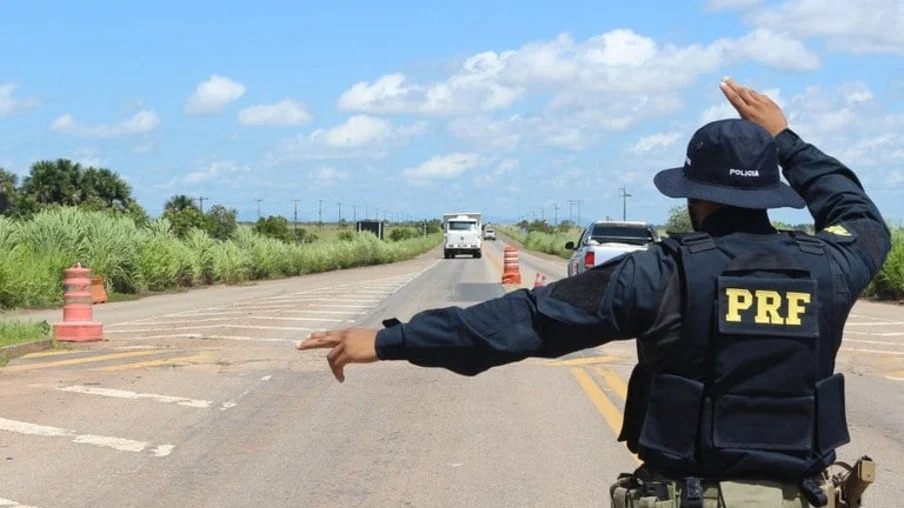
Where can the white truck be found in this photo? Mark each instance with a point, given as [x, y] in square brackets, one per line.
[461, 234]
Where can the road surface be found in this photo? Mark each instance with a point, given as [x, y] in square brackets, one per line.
[199, 399]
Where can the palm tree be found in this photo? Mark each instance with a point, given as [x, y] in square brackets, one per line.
[179, 202]
[54, 182]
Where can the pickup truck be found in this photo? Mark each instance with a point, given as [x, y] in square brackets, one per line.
[604, 240]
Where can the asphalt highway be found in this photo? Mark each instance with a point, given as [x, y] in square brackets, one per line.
[200, 399]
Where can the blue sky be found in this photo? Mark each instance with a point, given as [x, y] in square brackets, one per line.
[425, 107]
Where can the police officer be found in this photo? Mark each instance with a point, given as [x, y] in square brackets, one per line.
[740, 405]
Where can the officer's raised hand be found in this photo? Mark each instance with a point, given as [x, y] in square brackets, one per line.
[352, 345]
[755, 107]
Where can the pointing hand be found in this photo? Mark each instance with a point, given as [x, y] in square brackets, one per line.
[352, 345]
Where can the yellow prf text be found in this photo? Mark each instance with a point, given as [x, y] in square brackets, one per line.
[767, 305]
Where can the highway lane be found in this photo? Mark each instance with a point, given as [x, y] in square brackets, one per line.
[201, 400]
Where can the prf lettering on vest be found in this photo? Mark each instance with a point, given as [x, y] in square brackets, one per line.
[767, 304]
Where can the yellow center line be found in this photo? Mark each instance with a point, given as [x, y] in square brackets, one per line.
[156, 363]
[614, 381]
[43, 354]
[77, 361]
[605, 406]
[578, 362]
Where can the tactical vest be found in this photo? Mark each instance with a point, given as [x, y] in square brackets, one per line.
[747, 390]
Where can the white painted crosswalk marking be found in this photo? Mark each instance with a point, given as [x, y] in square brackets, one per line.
[32, 429]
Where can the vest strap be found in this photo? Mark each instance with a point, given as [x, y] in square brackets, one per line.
[809, 244]
[697, 242]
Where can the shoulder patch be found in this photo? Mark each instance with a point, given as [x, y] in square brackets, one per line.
[837, 230]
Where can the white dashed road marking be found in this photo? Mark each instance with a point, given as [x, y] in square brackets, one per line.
[126, 394]
[116, 443]
[12, 504]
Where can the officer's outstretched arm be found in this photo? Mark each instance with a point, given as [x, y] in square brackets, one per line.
[617, 300]
[834, 195]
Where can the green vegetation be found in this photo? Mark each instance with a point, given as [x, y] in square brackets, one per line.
[18, 332]
[679, 220]
[544, 238]
[137, 258]
[889, 283]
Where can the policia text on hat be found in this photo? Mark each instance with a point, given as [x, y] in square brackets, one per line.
[739, 406]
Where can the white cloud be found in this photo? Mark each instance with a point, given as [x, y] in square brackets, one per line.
[475, 87]
[327, 176]
[213, 95]
[283, 113]
[89, 156]
[139, 123]
[852, 26]
[723, 110]
[775, 50]
[448, 166]
[10, 105]
[360, 136]
[654, 141]
[146, 147]
[492, 178]
[724, 5]
[849, 123]
[357, 131]
[213, 170]
[719, 111]
[612, 68]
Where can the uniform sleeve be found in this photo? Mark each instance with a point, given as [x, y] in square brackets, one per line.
[846, 218]
[616, 300]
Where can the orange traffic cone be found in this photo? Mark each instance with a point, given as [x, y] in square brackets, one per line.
[540, 281]
[511, 273]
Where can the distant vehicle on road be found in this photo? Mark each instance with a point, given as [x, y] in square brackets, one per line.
[604, 240]
[461, 234]
[489, 234]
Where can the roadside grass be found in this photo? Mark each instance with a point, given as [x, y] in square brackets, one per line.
[17, 332]
[889, 283]
[140, 259]
[549, 243]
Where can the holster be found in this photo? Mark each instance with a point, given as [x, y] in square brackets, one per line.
[852, 482]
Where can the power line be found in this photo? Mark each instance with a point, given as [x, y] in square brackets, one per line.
[320, 213]
[295, 219]
[624, 196]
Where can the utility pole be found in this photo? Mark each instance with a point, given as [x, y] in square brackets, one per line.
[543, 214]
[355, 214]
[320, 213]
[295, 219]
[624, 196]
[201, 200]
[555, 220]
[258, 208]
[571, 204]
[579, 210]
[366, 212]
[340, 214]
[377, 214]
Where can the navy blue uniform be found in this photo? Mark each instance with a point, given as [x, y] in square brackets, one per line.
[746, 389]
[624, 298]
